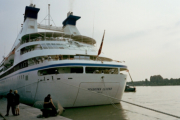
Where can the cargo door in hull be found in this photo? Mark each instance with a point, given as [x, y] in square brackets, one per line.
[86, 98]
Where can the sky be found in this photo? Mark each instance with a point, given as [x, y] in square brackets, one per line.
[143, 33]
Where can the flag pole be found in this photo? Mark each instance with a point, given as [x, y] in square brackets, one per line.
[100, 48]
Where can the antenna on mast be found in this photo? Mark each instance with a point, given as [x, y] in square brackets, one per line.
[4, 51]
[49, 15]
[31, 1]
[49, 18]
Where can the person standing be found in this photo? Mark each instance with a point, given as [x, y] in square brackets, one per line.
[16, 102]
[10, 103]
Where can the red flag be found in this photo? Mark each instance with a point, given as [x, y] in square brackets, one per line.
[99, 52]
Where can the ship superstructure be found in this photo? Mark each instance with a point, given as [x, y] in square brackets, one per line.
[54, 62]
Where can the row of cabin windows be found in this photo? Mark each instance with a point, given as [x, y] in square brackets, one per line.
[89, 70]
[41, 59]
[96, 70]
[52, 78]
[44, 39]
[22, 77]
[19, 66]
[54, 46]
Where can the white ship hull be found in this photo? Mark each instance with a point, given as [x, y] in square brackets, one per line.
[67, 89]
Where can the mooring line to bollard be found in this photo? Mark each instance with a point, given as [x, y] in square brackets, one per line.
[131, 78]
[151, 109]
[36, 91]
[124, 101]
[113, 104]
[2, 116]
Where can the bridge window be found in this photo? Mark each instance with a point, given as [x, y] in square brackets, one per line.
[101, 70]
[61, 70]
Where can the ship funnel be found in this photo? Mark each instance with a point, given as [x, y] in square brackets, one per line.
[71, 19]
[31, 12]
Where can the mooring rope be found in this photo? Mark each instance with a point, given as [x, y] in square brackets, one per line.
[130, 78]
[124, 101]
[111, 98]
[152, 109]
[36, 91]
[2, 116]
[117, 107]
[112, 103]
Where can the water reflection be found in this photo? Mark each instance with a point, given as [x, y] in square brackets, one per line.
[105, 112]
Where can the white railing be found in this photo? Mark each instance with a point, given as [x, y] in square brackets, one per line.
[48, 27]
[35, 61]
[43, 39]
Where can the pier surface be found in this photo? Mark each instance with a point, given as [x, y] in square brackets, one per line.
[26, 113]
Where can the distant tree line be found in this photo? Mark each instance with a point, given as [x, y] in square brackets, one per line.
[156, 80]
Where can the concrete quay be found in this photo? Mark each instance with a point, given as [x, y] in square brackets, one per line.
[26, 113]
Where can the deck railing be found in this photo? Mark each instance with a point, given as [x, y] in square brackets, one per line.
[35, 61]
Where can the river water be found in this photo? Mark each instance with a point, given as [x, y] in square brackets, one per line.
[162, 98]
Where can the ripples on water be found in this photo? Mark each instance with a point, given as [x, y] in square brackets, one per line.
[165, 98]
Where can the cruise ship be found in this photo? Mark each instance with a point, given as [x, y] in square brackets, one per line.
[60, 62]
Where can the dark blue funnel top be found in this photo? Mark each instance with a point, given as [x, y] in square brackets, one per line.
[31, 12]
[71, 20]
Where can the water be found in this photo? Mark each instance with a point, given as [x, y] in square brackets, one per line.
[165, 98]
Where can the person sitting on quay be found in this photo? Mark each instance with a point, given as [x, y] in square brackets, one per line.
[48, 103]
[16, 102]
[10, 103]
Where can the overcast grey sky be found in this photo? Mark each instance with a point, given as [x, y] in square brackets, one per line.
[144, 33]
